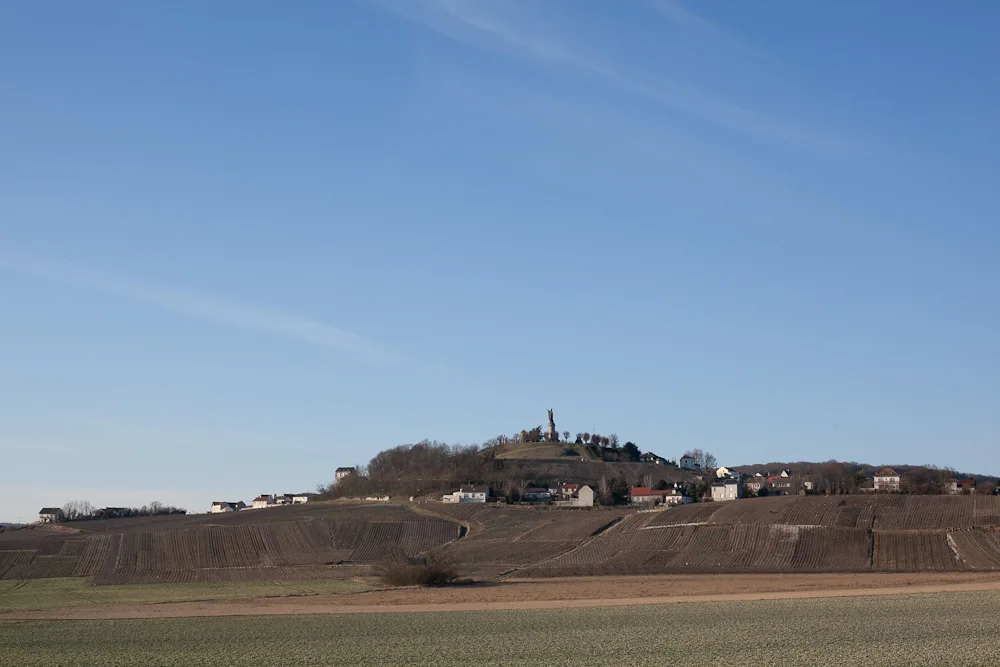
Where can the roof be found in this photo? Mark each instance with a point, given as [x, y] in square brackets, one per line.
[536, 489]
[641, 491]
[262, 498]
[346, 469]
[887, 472]
[968, 482]
[470, 488]
[50, 510]
[227, 502]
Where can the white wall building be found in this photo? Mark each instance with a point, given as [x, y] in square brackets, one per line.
[468, 494]
[728, 490]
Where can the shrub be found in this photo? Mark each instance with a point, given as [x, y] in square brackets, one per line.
[399, 570]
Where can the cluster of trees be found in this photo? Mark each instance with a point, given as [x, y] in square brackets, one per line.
[431, 467]
[609, 441]
[84, 510]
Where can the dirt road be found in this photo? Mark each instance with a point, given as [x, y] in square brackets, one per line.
[553, 594]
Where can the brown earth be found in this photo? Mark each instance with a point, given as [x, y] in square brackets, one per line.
[552, 594]
[790, 534]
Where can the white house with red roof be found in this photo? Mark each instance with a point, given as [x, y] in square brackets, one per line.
[887, 479]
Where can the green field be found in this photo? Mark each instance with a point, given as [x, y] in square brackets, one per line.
[941, 629]
[40, 594]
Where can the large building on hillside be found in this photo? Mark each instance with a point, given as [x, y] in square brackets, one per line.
[468, 494]
[220, 506]
[887, 479]
[341, 473]
[50, 515]
[726, 490]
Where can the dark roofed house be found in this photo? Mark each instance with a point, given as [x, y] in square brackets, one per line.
[534, 494]
[341, 473]
[50, 515]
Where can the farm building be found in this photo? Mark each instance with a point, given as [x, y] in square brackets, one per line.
[641, 495]
[341, 473]
[221, 506]
[887, 480]
[650, 457]
[264, 501]
[727, 490]
[534, 494]
[581, 497]
[50, 515]
[689, 463]
[563, 491]
[299, 498]
[956, 486]
[468, 494]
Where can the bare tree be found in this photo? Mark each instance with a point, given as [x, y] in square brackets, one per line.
[586, 438]
[613, 439]
[647, 481]
[604, 490]
[566, 436]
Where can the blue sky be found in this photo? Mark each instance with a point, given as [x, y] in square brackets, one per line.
[242, 243]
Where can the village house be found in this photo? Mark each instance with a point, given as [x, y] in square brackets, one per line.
[468, 494]
[956, 486]
[887, 480]
[341, 473]
[724, 473]
[754, 484]
[642, 495]
[689, 463]
[580, 497]
[112, 513]
[650, 457]
[780, 485]
[535, 494]
[563, 491]
[50, 515]
[300, 498]
[726, 490]
[263, 501]
[221, 506]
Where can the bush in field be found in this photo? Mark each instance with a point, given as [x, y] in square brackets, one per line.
[398, 570]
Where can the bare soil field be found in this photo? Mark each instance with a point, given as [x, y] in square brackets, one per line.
[883, 533]
[325, 540]
[564, 593]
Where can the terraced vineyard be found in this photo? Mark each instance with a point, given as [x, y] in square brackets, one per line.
[502, 540]
[329, 540]
[325, 540]
[795, 534]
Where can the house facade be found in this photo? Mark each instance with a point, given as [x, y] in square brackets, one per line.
[51, 515]
[641, 495]
[299, 498]
[263, 501]
[689, 463]
[341, 473]
[583, 496]
[468, 493]
[728, 490]
[534, 494]
[887, 480]
[222, 506]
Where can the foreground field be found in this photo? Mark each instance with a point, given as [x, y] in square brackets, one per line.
[42, 594]
[956, 628]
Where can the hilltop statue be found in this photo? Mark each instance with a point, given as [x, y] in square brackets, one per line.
[552, 435]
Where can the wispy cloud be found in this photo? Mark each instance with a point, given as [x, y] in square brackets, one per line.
[193, 304]
[703, 29]
[478, 25]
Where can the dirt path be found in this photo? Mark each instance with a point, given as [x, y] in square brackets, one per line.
[553, 594]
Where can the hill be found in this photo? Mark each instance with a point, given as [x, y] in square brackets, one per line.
[321, 540]
[861, 533]
[545, 450]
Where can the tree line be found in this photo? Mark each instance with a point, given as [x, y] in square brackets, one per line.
[84, 510]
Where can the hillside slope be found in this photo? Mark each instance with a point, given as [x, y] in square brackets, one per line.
[796, 534]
